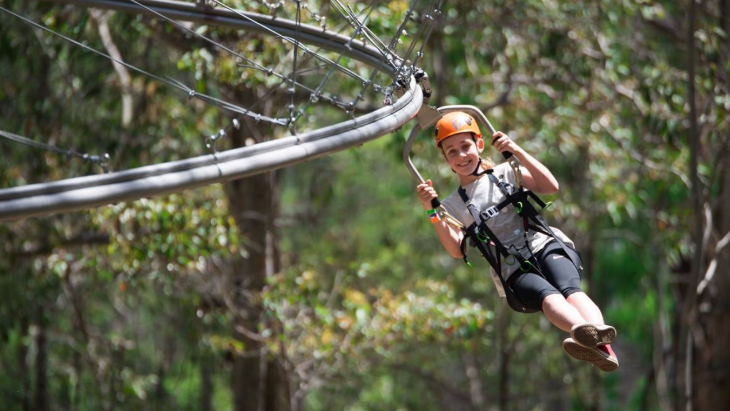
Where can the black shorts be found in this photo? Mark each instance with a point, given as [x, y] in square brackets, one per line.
[561, 277]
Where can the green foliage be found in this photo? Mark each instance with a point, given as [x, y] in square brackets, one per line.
[368, 312]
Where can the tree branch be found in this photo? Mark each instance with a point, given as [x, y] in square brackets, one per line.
[710, 272]
[102, 21]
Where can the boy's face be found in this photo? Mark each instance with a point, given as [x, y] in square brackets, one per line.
[462, 153]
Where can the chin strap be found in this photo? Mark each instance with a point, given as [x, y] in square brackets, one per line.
[476, 170]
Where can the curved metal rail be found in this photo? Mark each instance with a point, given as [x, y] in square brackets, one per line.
[255, 22]
[91, 191]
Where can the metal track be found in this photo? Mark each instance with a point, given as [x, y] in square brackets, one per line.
[91, 191]
[196, 13]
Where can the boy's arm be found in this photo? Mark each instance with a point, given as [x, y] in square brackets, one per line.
[535, 176]
[449, 236]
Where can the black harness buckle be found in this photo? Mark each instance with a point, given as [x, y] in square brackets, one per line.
[492, 211]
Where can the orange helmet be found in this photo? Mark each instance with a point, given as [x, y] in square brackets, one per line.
[454, 123]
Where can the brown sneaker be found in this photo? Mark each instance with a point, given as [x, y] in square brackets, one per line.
[602, 356]
[591, 335]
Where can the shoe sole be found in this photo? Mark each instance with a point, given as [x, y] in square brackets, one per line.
[589, 335]
[590, 355]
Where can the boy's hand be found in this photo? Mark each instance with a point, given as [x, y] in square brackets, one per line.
[502, 142]
[425, 194]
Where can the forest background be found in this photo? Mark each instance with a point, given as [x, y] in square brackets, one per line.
[321, 286]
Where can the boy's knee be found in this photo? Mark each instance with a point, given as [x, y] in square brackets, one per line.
[552, 301]
[577, 295]
[572, 293]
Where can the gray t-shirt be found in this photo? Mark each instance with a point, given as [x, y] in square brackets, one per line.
[507, 226]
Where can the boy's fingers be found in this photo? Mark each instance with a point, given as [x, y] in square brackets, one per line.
[426, 191]
[497, 136]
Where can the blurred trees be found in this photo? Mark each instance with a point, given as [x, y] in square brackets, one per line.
[321, 286]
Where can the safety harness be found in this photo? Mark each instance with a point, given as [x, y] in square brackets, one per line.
[482, 237]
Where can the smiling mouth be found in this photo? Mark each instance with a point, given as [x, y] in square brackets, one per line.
[464, 164]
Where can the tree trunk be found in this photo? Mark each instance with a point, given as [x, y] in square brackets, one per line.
[41, 368]
[687, 301]
[711, 373]
[662, 374]
[504, 359]
[76, 397]
[23, 366]
[206, 384]
[258, 383]
[712, 366]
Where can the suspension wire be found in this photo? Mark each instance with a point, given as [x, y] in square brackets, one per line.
[293, 76]
[396, 39]
[102, 161]
[349, 20]
[350, 16]
[311, 69]
[431, 17]
[211, 140]
[391, 47]
[334, 101]
[253, 64]
[352, 19]
[367, 9]
[166, 80]
[235, 123]
[426, 20]
[418, 34]
[223, 104]
[314, 97]
[290, 40]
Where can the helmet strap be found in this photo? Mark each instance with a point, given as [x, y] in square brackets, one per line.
[476, 170]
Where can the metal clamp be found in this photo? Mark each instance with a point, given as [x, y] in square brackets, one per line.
[515, 164]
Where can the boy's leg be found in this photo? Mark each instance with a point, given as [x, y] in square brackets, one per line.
[561, 272]
[591, 338]
[563, 275]
[586, 307]
[561, 313]
[595, 332]
[535, 291]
